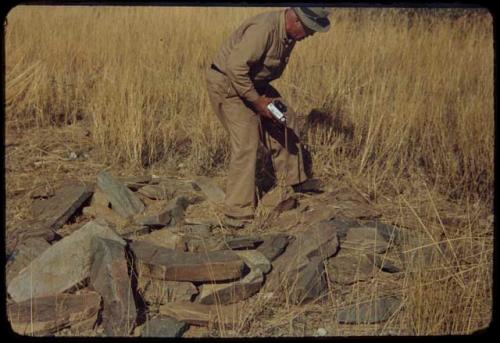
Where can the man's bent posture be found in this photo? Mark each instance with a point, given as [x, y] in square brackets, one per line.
[239, 90]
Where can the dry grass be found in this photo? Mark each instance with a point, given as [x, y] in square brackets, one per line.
[408, 97]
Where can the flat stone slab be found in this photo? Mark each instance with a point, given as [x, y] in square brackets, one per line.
[203, 315]
[309, 283]
[365, 239]
[346, 268]
[62, 266]
[231, 292]
[173, 265]
[165, 238]
[204, 244]
[242, 243]
[208, 187]
[370, 312]
[109, 277]
[319, 240]
[158, 219]
[255, 260]
[163, 326]
[56, 210]
[24, 253]
[160, 292]
[122, 199]
[385, 263]
[170, 188]
[46, 315]
[273, 246]
[135, 182]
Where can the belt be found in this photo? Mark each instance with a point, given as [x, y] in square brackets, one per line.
[214, 67]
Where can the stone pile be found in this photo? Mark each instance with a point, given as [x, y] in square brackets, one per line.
[138, 254]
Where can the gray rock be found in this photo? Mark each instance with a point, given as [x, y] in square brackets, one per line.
[273, 246]
[385, 263]
[346, 268]
[231, 292]
[165, 238]
[365, 239]
[170, 188]
[241, 243]
[163, 326]
[159, 292]
[255, 260]
[177, 207]
[211, 190]
[55, 211]
[46, 315]
[122, 199]
[370, 312]
[62, 266]
[158, 219]
[109, 277]
[24, 253]
[173, 265]
[309, 283]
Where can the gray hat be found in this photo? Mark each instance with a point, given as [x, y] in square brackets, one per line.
[314, 18]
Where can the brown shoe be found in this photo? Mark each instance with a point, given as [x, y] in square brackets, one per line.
[309, 186]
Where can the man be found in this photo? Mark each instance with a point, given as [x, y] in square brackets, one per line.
[239, 90]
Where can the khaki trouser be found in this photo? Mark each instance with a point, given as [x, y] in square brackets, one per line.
[246, 129]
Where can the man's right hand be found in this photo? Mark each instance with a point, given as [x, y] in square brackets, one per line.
[260, 106]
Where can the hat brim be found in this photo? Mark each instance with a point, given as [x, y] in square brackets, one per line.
[312, 24]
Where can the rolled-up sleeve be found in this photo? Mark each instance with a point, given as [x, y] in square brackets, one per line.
[251, 48]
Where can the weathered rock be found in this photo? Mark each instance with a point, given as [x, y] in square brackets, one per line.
[169, 189]
[166, 239]
[346, 268]
[55, 211]
[62, 266]
[240, 243]
[47, 315]
[228, 293]
[135, 182]
[385, 263]
[163, 326]
[370, 312]
[318, 214]
[112, 218]
[255, 260]
[169, 264]
[320, 240]
[211, 190]
[176, 207]
[365, 239]
[24, 253]
[158, 219]
[122, 199]
[196, 230]
[200, 245]
[132, 231]
[309, 283]
[202, 315]
[273, 246]
[160, 292]
[109, 277]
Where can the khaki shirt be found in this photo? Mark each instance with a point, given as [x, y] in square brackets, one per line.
[256, 53]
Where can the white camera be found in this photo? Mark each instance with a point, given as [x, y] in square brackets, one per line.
[278, 109]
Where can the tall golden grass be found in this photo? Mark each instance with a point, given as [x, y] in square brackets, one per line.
[408, 95]
[415, 87]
